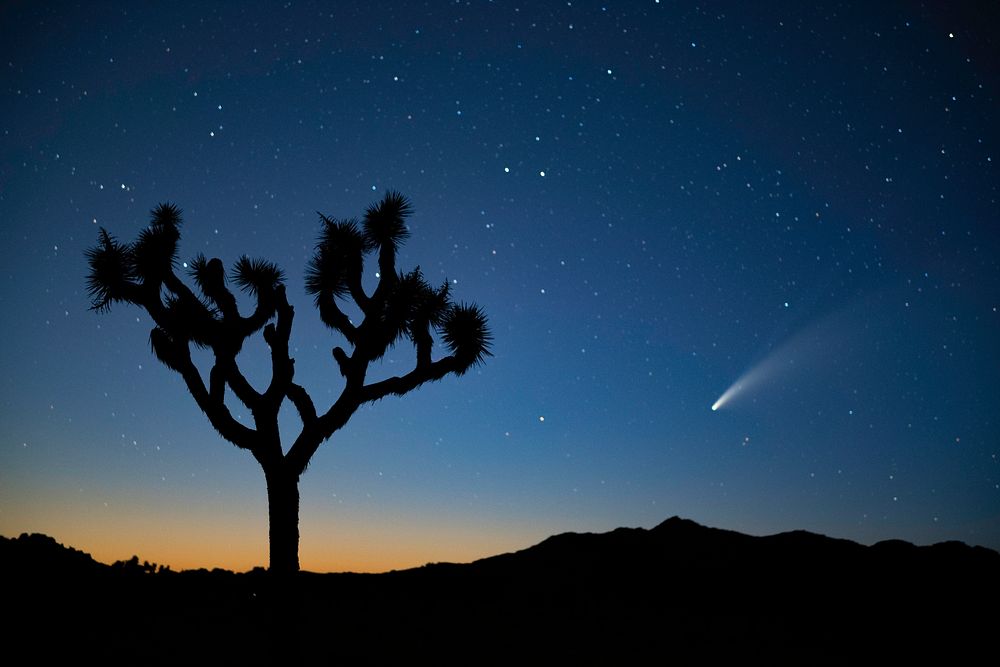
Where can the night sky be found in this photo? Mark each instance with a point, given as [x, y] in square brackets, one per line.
[653, 201]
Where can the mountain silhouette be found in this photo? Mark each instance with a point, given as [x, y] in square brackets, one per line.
[38, 554]
[677, 592]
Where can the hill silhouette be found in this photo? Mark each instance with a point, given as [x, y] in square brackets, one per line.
[679, 591]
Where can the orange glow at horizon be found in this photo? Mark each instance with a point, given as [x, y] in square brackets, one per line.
[205, 547]
[237, 540]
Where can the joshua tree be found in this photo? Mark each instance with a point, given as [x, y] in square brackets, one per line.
[402, 306]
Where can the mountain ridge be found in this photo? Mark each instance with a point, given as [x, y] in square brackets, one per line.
[676, 592]
[45, 551]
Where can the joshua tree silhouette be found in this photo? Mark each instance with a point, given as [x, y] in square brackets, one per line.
[402, 306]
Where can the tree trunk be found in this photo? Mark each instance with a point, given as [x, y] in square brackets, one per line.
[283, 520]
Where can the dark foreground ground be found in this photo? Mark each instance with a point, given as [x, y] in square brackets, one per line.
[679, 593]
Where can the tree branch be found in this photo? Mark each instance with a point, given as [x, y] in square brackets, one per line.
[216, 411]
[423, 342]
[282, 366]
[343, 361]
[187, 319]
[302, 450]
[261, 314]
[335, 318]
[300, 399]
[242, 389]
[358, 292]
[401, 385]
[217, 382]
[222, 297]
[175, 285]
[387, 261]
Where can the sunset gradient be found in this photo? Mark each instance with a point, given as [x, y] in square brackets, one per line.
[649, 200]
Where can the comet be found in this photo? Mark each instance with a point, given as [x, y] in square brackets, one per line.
[801, 351]
[822, 342]
[727, 394]
[766, 369]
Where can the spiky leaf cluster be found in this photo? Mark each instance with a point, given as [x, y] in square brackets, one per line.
[190, 319]
[385, 222]
[209, 275]
[143, 273]
[412, 306]
[404, 305]
[465, 332]
[170, 351]
[155, 251]
[118, 270]
[257, 276]
[338, 259]
[166, 215]
[112, 272]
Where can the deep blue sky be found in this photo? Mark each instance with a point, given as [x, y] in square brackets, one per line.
[648, 198]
